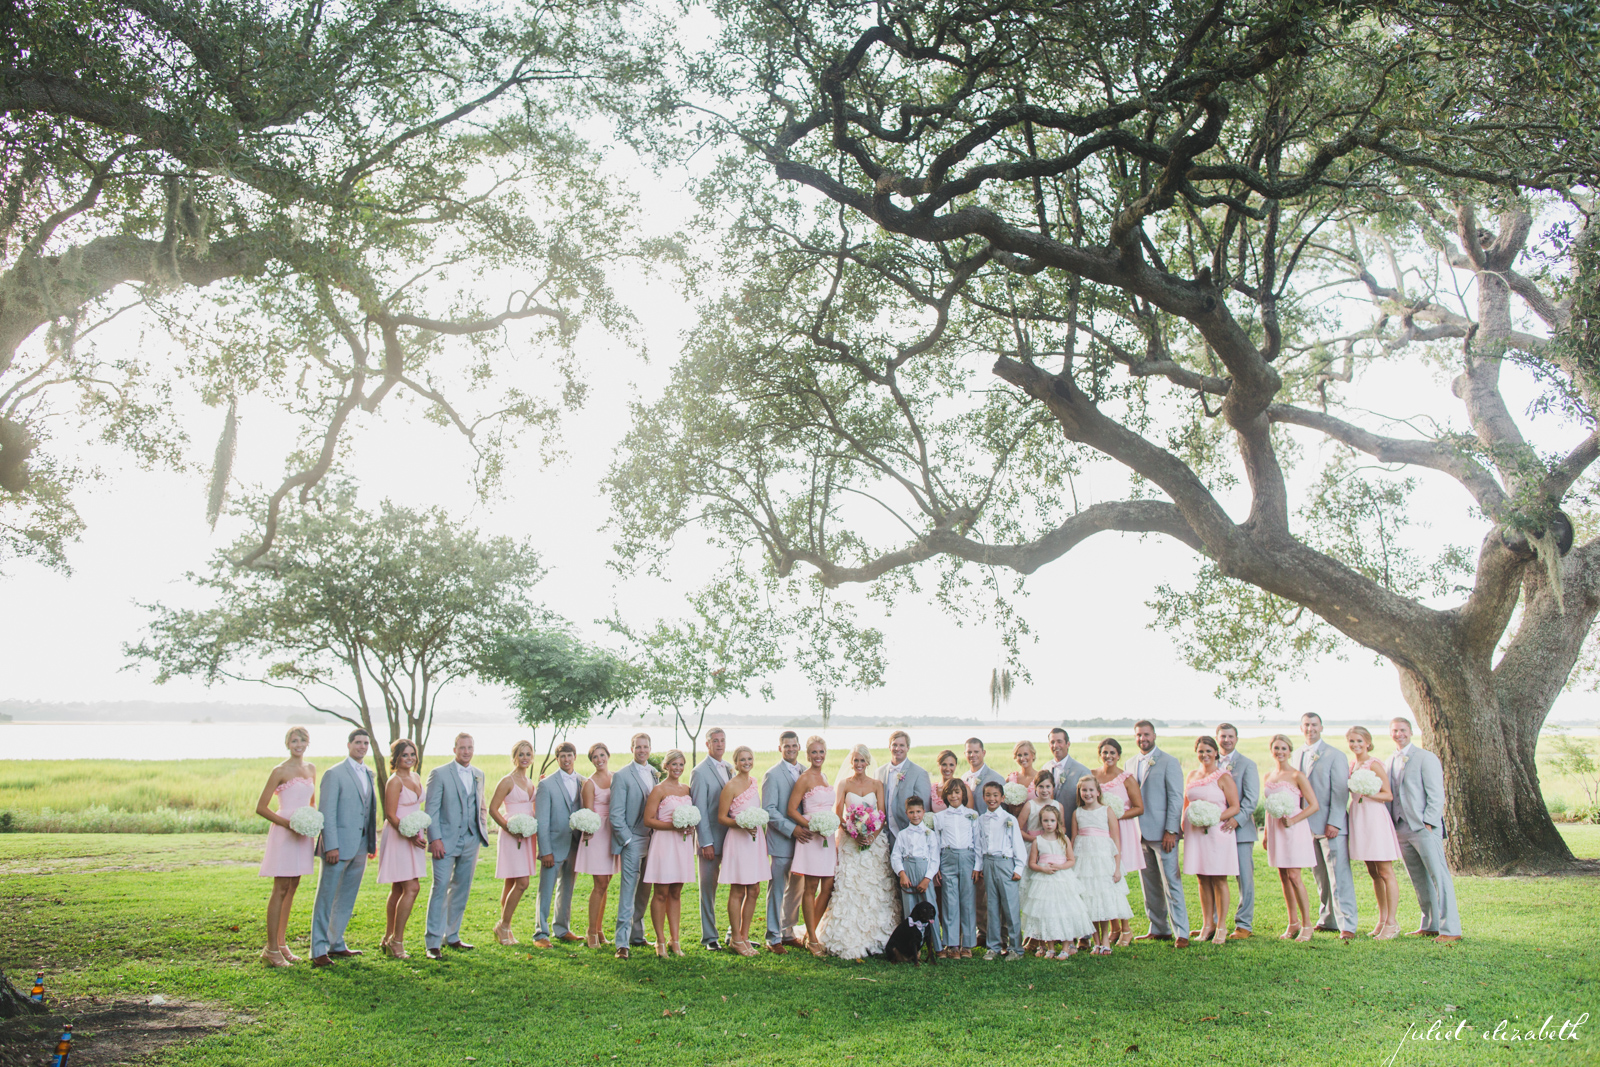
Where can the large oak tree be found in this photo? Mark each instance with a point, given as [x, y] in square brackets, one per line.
[980, 250]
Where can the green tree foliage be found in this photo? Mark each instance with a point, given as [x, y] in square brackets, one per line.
[559, 681]
[982, 255]
[367, 616]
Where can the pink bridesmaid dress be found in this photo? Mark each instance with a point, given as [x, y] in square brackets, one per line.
[1292, 847]
[509, 860]
[288, 854]
[1212, 850]
[936, 802]
[1127, 829]
[399, 860]
[817, 856]
[594, 854]
[1371, 827]
[744, 855]
[671, 857]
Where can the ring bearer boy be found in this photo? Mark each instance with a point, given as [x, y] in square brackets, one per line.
[915, 861]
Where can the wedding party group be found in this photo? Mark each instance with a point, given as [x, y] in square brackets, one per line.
[1033, 860]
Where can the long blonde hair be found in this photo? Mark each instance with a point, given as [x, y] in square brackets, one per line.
[1061, 822]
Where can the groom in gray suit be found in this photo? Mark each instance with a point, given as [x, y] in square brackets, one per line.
[1248, 778]
[1417, 780]
[1161, 787]
[705, 793]
[630, 839]
[1329, 773]
[783, 892]
[555, 799]
[456, 804]
[902, 780]
[349, 809]
[1064, 773]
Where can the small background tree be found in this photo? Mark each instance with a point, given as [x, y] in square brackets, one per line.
[560, 681]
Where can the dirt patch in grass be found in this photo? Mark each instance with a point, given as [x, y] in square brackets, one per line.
[107, 1031]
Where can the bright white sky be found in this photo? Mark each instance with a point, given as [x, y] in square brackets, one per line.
[1094, 655]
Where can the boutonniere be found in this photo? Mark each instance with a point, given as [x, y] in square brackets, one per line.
[1404, 760]
[972, 816]
[1314, 757]
[899, 776]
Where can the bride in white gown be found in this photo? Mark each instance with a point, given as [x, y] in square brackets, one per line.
[865, 908]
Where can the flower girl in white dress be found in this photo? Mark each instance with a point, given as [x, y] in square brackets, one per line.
[1053, 908]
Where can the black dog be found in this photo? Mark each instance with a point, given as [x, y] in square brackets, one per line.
[905, 944]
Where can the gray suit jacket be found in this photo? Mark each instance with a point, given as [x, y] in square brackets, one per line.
[1329, 774]
[1248, 779]
[458, 818]
[976, 783]
[349, 822]
[628, 794]
[916, 783]
[705, 791]
[1065, 774]
[776, 786]
[1418, 787]
[1161, 787]
[556, 835]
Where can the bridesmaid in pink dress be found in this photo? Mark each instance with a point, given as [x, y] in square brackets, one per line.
[1289, 845]
[670, 862]
[288, 856]
[948, 762]
[815, 859]
[745, 864]
[1116, 782]
[401, 860]
[1210, 851]
[1025, 755]
[594, 851]
[1372, 836]
[516, 859]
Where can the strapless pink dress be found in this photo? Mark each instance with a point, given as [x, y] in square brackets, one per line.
[1371, 827]
[509, 860]
[398, 859]
[594, 855]
[1292, 847]
[816, 857]
[1127, 829]
[671, 857]
[288, 854]
[744, 857]
[1213, 850]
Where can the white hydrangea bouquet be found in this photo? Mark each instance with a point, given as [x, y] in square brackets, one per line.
[306, 821]
[823, 822]
[585, 821]
[1281, 805]
[1365, 783]
[1204, 814]
[522, 826]
[415, 823]
[685, 819]
[753, 819]
[1015, 793]
[1114, 802]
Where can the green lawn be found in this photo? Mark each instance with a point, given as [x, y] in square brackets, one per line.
[127, 915]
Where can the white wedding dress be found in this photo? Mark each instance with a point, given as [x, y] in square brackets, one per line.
[865, 907]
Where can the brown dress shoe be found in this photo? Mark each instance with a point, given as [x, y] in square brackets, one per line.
[569, 936]
[1423, 933]
[541, 943]
[1182, 942]
[461, 946]
[1326, 929]
[793, 942]
[1347, 935]
[1155, 937]
[622, 953]
[344, 953]
[1239, 934]
[777, 950]
[1447, 939]
[321, 961]
[435, 954]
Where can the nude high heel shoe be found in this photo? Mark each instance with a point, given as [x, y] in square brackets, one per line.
[290, 957]
[1291, 933]
[1305, 933]
[272, 958]
[1221, 937]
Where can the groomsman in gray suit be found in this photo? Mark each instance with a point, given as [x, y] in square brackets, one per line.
[349, 838]
[902, 780]
[460, 826]
[1329, 773]
[630, 839]
[976, 779]
[1248, 778]
[1417, 781]
[555, 799]
[705, 790]
[783, 892]
[1065, 771]
[1161, 786]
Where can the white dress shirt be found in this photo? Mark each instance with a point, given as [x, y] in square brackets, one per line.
[955, 826]
[918, 841]
[999, 835]
[466, 777]
[891, 782]
[569, 779]
[361, 776]
[1306, 750]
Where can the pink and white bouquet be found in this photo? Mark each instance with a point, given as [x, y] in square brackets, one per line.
[415, 823]
[1204, 814]
[685, 819]
[306, 821]
[1365, 783]
[862, 824]
[522, 826]
[753, 819]
[585, 821]
[823, 822]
